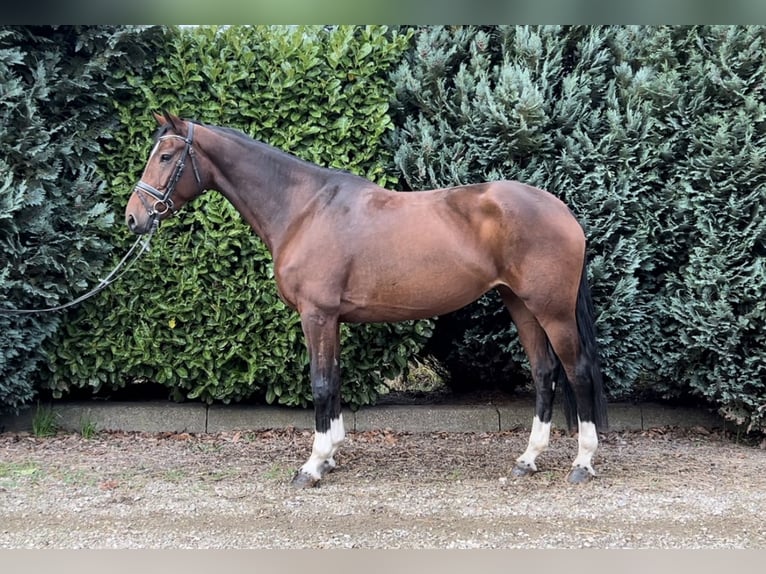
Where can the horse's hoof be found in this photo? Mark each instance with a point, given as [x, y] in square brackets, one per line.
[304, 480]
[521, 470]
[579, 475]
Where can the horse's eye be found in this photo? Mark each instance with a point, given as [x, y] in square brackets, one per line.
[165, 157]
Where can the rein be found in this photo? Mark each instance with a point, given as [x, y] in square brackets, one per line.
[125, 262]
[163, 201]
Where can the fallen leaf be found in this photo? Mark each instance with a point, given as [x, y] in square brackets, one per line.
[109, 485]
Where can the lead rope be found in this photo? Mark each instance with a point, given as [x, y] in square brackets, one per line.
[125, 262]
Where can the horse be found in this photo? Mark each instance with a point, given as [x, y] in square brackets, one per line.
[347, 250]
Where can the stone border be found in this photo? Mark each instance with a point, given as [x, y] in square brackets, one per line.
[162, 416]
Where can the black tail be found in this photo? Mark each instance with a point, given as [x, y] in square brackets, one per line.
[589, 364]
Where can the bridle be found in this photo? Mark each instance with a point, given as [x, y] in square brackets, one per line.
[163, 202]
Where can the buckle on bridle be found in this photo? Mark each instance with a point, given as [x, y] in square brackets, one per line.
[167, 205]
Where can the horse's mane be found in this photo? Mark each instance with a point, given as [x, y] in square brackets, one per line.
[252, 142]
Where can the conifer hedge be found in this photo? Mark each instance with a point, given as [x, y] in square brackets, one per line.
[56, 91]
[201, 314]
[655, 138]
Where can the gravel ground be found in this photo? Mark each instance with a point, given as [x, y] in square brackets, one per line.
[664, 488]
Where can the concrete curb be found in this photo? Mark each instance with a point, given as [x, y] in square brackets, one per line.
[162, 416]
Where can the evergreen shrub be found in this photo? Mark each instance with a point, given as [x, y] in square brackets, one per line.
[56, 94]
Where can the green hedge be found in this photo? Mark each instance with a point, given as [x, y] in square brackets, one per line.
[712, 306]
[655, 137]
[201, 314]
[57, 92]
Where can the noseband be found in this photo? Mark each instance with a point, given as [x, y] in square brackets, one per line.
[163, 201]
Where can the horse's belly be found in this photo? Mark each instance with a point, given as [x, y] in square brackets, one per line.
[416, 292]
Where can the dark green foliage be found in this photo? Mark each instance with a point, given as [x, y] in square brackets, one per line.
[201, 314]
[714, 337]
[55, 100]
[654, 137]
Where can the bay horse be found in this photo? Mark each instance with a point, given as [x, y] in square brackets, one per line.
[348, 250]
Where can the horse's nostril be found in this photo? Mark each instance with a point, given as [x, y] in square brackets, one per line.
[131, 221]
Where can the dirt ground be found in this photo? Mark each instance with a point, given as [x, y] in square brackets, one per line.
[664, 488]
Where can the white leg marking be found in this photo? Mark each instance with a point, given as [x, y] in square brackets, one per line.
[325, 445]
[587, 440]
[538, 442]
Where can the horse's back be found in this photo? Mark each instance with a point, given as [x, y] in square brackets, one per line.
[524, 201]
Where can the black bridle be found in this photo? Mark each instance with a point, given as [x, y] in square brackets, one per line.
[163, 201]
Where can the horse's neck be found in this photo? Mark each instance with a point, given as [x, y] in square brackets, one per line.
[267, 187]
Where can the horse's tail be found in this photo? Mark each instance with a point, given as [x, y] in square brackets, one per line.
[588, 366]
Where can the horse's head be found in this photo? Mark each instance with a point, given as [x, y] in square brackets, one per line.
[165, 185]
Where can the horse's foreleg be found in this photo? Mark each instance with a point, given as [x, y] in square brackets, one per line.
[322, 337]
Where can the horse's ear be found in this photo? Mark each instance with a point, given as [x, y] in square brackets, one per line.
[160, 119]
[173, 120]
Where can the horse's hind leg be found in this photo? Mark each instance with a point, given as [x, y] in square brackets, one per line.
[544, 369]
[558, 352]
[588, 399]
[323, 340]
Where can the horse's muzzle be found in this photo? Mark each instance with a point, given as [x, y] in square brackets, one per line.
[139, 227]
[130, 221]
